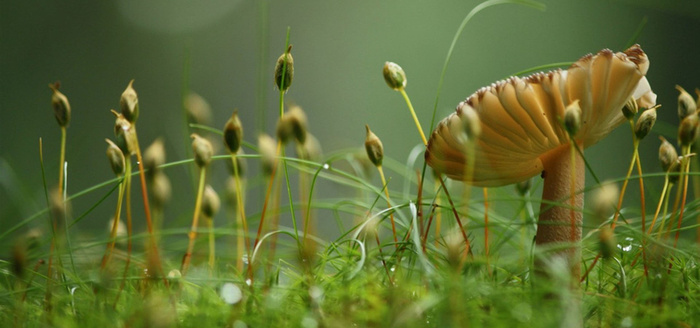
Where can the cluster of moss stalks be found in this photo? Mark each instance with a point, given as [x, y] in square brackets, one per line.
[397, 265]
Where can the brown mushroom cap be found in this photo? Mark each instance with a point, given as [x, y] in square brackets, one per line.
[521, 117]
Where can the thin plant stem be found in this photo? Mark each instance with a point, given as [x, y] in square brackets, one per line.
[212, 242]
[127, 187]
[268, 192]
[147, 210]
[388, 204]
[113, 234]
[52, 225]
[572, 191]
[663, 216]
[242, 240]
[195, 221]
[661, 201]
[486, 229]
[468, 248]
[62, 160]
[643, 209]
[622, 191]
[438, 215]
[413, 114]
[686, 170]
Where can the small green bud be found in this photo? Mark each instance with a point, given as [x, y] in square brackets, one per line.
[292, 124]
[688, 130]
[233, 133]
[394, 76]
[572, 118]
[645, 122]
[268, 153]
[129, 103]
[686, 104]
[203, 150]
[115, 157]
[374, 147]
[629, 110]
[667, 154]
[284, 69]
[154, 156]
[210, 202]
[161, 189]
[61, 107]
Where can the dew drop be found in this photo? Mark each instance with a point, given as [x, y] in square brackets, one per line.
[248, 282]
[326, 166]
[230, 293]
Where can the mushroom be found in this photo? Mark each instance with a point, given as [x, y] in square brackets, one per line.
[523, 134]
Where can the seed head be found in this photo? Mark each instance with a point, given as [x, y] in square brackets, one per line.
[688, 130]
[645, 123]
[606, 239]
[154, 156]
[210, 202]
[374, 147]
[129, 103]
[604, 199]
[268, 153]
[292, 125]
[686, 104]
[394, 76]
[203, 150]
[667, 154]
[284, 69]
[115, 157]
[198, 109]
[233, 133]
[311, 150]
[572, 118]
[61, 107]
[629, 110]
[160, 189]
[124, 131]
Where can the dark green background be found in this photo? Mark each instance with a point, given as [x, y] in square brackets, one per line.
[94, 48]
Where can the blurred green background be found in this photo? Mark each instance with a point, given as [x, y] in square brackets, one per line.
[94, 48]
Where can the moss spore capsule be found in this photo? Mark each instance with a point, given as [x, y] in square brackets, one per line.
[203, 151]
[374, 147]
[572, 118]
[161, 189]
[210, 202]
[630, 109]
[284, 69]
[394, 76]
[129, 103]
[293, 125]
[667, 154]
[115, 157]
[688, 130]
[686, 104]
[233, 133]
[268, 153]
[126, 138]
[154, 156]
[61, 107]
[645, 123]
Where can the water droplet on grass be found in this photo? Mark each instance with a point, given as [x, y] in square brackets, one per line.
[326, 166]
[230, 293]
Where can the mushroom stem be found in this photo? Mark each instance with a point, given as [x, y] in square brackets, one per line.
[554, 224]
